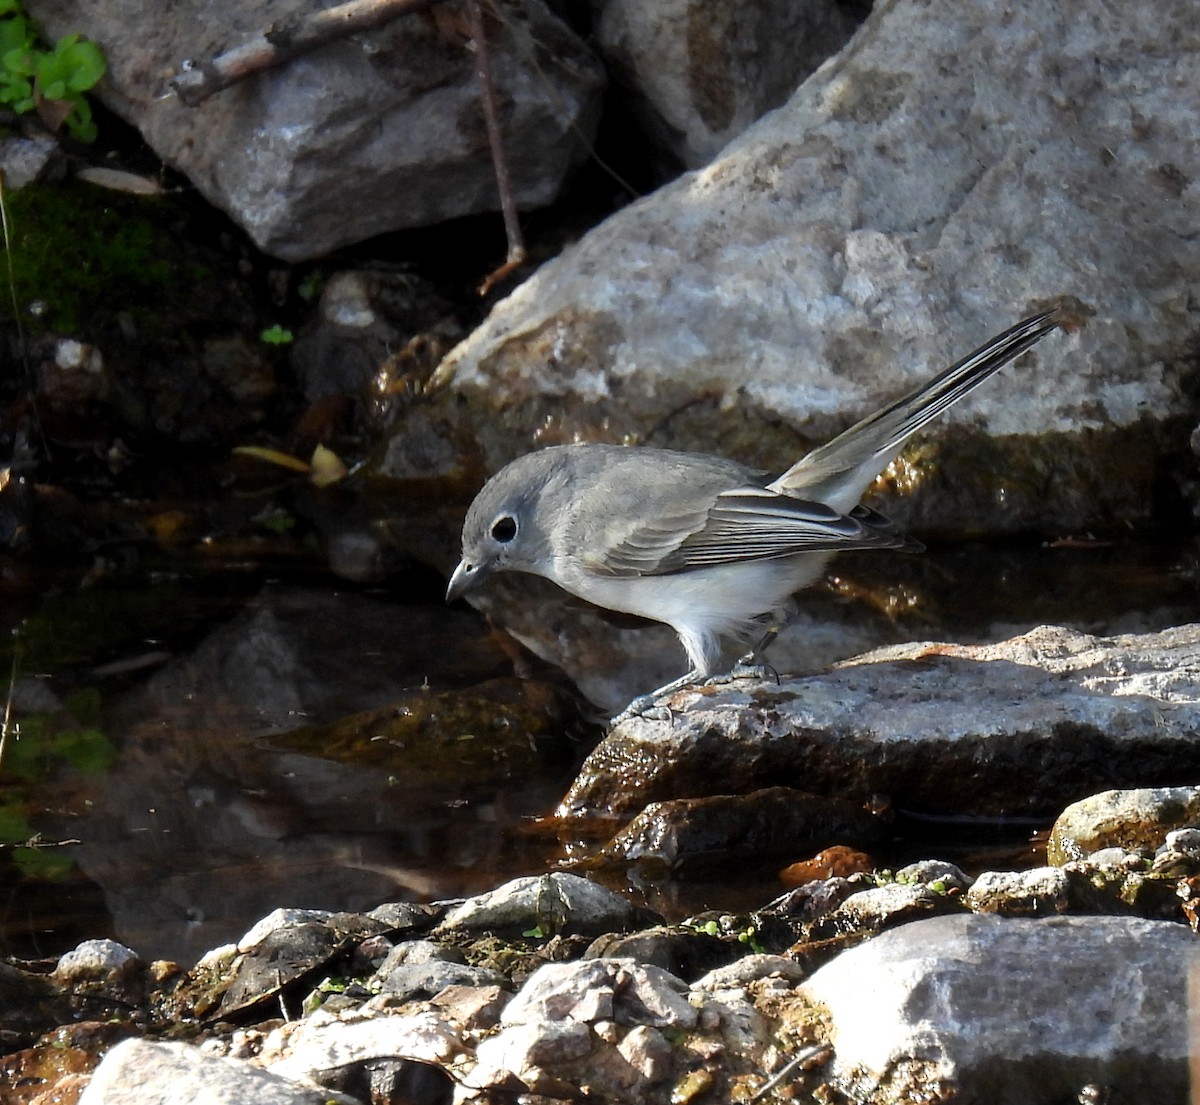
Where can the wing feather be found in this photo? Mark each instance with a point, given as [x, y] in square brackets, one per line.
[748, 523]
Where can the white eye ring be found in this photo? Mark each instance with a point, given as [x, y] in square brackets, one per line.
[504, 528]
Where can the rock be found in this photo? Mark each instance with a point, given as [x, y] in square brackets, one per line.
[693, 837]
[936, 873]
[999, 1009]
[870, 911]
[24, 158]
[334, 1052]
[30, 1004]
[555, 903]
[602, 989]
[368, 134]
[103, 970]
[681, 951]
[363, 319]
[748, 969]
[1044, 890]
[140, 1072]
[1016, 727]
[475, 1008]
[531, 1052]
[425, 979]
[897, 211]
[1135, 818]
[697, 74]
[285, 951]
[568, 1030]
[923, 229]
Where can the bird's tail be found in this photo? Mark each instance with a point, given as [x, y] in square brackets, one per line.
[840, 472]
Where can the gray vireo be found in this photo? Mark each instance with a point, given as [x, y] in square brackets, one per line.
[704, 544]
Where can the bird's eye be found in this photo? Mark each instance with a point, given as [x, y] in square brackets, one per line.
[504, 529]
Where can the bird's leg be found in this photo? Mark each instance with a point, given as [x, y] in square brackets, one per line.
[646, 705]
[752, 665]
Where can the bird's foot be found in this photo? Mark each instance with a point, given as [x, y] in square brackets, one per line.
[650, 707]
[747, 667]
[645, 706]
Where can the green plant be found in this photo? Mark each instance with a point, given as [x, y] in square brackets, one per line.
[276, 335]
[51, 81]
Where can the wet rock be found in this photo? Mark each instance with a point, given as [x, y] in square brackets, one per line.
[105, 971]
[692, 837]
[498, 729]
[368, 134]
[30, 1004]
[938, 874]
[141, 1072]
[554, 903]
[1016, 727]
[364, 318]
[1042, 891]
[698, 74]
[870, 911]
[991, 1008]
[1129, 819]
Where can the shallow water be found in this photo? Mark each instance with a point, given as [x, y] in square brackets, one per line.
[170, 801]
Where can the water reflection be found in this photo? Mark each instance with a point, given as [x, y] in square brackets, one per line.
[154, 721]
[201, 823]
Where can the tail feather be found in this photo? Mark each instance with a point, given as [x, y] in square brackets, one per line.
[839, 472]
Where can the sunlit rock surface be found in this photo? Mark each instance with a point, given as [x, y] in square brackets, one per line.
[934, 1007]
[956, 166]
[1015, 728]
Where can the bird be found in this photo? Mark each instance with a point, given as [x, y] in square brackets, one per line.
[707, 545]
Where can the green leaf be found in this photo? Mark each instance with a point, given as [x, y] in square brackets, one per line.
[10, 7]
[276, 335]
[85, 65]
[18, 59]
[14, 35]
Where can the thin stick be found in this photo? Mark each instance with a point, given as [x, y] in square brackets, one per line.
[491, 119]
[279, 44]
[6, 727]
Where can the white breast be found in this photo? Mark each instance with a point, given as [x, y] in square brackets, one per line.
[703, 605]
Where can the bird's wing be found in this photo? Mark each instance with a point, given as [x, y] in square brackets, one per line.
[747, 523]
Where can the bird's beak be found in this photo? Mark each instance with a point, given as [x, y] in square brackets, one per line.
[466, 576]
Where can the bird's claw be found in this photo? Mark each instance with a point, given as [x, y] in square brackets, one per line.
[747, 667]
[645, 706]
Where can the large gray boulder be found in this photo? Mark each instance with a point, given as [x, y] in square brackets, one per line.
[373, 133]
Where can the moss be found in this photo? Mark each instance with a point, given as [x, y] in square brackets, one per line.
[90, 254]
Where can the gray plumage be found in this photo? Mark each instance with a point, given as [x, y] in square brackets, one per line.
[704, 544]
